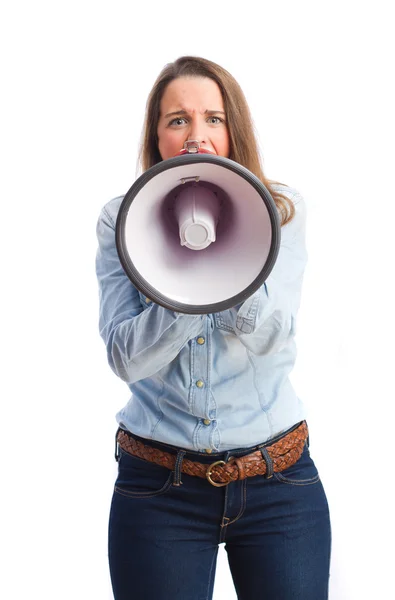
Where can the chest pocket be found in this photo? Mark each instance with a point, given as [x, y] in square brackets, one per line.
[225, 319]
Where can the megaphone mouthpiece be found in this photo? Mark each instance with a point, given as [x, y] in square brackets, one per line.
[193, 147]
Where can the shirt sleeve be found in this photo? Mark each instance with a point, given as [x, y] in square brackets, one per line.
[140, 341]
[265, 322]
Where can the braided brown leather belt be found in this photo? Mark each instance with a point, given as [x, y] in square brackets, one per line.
[283, 453]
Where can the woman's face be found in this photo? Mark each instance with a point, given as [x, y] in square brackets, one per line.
[192, 109]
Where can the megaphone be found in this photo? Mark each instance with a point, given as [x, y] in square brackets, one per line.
[197, 233]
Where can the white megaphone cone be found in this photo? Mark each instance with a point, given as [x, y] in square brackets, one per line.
[197, 233]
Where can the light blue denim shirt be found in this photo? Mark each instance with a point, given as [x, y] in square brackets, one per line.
[205, 382]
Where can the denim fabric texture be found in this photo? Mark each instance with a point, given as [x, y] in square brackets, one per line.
[205, 382]
[165, 528]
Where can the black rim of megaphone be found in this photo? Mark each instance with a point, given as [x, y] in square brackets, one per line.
[152, 293]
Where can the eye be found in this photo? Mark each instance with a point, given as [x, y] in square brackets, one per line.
[177, 121]
[216, 120]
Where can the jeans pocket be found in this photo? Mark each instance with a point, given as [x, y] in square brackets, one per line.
[139, 478]
[303, 472]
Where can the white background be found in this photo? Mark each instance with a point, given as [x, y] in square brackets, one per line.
[75, 77]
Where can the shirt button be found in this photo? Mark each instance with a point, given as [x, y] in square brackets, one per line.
[148, 300]
[208, 450]
[201, 340]
[199, 383]
[207, 421]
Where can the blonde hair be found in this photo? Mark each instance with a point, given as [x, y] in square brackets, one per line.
[243, 143]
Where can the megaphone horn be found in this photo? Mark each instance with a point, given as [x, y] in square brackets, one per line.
[197, 233]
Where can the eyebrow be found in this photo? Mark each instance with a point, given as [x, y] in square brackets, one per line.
[184, 112]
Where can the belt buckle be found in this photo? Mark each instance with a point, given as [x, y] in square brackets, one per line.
[209, 472]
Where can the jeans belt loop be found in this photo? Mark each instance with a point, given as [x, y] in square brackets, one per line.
[269, 463]
[117, 450]
[177, 468]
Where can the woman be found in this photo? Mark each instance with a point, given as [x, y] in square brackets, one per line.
[208, 388]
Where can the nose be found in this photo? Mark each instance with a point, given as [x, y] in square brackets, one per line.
[197, 132]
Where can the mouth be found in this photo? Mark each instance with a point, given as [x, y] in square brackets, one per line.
[197, 151]
[193, 147]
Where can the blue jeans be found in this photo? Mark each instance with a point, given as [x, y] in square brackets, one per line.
[164, 537]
